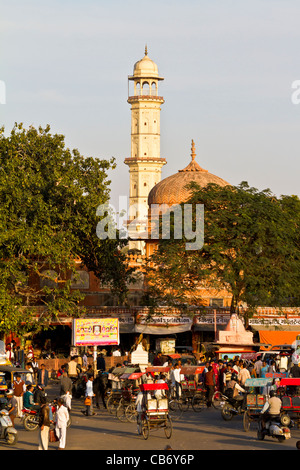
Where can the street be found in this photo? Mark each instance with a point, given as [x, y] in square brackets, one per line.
[193, 432]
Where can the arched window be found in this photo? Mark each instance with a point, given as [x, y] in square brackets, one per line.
[154, 89]
[146, 88]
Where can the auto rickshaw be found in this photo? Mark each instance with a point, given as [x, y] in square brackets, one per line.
[9, 373]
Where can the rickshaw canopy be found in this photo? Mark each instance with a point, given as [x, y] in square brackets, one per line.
[191, 370]
[259, 382]
[156, 386]
[157, 369]
[289, 381]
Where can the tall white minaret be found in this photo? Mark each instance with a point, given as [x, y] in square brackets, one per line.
[145, 162]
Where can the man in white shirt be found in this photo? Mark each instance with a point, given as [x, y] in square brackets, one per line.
[176, 380]
[61, 422]
[89, 394]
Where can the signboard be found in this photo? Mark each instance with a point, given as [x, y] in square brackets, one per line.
[95, 331]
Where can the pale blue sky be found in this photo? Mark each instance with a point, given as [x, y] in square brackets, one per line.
[228, 69]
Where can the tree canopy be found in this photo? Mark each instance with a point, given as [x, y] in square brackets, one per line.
[48, 201]
[251, 249]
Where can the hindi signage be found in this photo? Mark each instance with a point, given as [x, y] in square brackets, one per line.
[95, 331]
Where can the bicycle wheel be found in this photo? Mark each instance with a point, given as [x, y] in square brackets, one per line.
[168, 427]
[120, 413]
[131, 413]
[199, 402]
[246, 421]
[175, 409]
[112, 404]
[145, 428]
[184, 402]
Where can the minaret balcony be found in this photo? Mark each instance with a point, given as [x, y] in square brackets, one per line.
[135, 98]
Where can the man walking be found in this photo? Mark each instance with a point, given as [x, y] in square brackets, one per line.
[44, 425]
[19, 388]
[66, 389]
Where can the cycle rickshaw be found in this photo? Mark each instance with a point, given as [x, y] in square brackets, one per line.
[155, 411]
[289, 394]
[126, 406]
[192, 392]
[255, 400]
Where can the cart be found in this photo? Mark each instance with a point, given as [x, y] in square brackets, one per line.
[254, 400]
[118, 390]
[155, 412]
[289, 395]
[192, 393]
[126, 406]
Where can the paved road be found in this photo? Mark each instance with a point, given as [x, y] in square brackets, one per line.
[194, 431]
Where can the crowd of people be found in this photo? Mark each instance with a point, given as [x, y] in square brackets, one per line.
[28, 391]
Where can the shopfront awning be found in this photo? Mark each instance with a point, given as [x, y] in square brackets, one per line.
[277, 338]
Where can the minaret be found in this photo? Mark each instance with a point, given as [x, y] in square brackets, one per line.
[145, 162]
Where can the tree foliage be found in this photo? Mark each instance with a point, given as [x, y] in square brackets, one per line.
[48, 201]
[251, 249]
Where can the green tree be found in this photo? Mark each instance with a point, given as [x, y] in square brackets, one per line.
[48, 201]
[251, 249]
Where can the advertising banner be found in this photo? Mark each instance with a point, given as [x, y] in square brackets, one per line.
[95, 331]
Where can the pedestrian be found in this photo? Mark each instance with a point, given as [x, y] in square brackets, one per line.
[210, 383]
[158, 360]
[44, 425]
[29, 378]
[43, 376]
[66, 386]
[19, 388]
[61, 423]
[258, 366]
[12, 405]
[101, 363]
[176, 380]
[244, 374]
[99, 389]
[73, 368]
[89, 396]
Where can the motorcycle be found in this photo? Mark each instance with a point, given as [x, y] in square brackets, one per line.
[7, 430]
[273, 428]
[31, 417]
[231, 407]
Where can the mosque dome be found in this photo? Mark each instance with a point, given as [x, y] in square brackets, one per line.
[173, 190]
[145, 68]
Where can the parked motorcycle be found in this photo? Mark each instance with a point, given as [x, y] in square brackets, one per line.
[7, 430]
[273, 428]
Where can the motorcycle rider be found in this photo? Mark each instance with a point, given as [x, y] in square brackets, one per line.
[271, 408]
[233, 389]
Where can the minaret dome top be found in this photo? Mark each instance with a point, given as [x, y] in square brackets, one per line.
[145, 68]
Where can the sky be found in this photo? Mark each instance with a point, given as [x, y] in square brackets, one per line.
[229, 68]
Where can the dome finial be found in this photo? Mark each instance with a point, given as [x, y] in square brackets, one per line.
[193, 154]
[146, 50]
